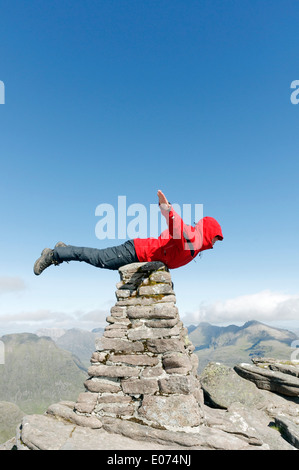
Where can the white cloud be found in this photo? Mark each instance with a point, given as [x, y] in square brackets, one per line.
[11, 284]
[264, 306]
[32, 321]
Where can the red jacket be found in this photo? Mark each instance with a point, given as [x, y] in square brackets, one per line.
[180, 243]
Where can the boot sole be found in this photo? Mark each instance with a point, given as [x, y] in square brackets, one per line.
[36, 262]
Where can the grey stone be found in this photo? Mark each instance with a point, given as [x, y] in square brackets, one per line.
[113, 371]
[285, 368]
[188, 345]
[142, 267]
[44, 433]
[140, 311]
[123, 293]
[146, 333]
[170, 411]
[98, 357]
[9, 445]
[66, 412]
[102, 385]
[114, 398]
[118, 320]
[205, 439]
[118, 345]
[222, 386]
[136, 323]
[158, 323]
[170, 298]
[178, 384]
[173, 362]
[165, 345]
[178, 370]
[161, 276]
[165, 310]
[289, 429]
[134, 359]
[139, 386]
[115, 333]
[194, 363]
[118, 312]
[249, 424]
[118, 325]
[114, 409]
[156, 311]
[156, 289]
[47, 433]
[152, 372]
[277, 405]
[269, 379]
[99, 439]
[86, 402]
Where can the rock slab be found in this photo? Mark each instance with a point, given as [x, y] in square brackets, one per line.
[272, 379]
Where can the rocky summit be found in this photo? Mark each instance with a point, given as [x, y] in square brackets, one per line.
[143, 390]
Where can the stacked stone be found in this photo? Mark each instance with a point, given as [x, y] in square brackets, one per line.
[144, 368]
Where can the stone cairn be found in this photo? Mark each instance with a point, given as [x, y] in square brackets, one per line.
[144, 369]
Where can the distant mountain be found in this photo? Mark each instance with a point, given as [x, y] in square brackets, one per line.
[79, 342]
[38, 373]
[233, 344]
[53, 333]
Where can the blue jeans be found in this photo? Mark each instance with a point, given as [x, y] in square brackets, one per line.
[108, 258]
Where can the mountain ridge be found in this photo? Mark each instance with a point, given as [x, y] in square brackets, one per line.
[36, 370]
[232, 344]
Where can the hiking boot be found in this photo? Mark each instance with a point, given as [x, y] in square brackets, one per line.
[45, 260]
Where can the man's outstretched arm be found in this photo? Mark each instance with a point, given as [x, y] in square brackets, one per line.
[163, 202]
[175, 224]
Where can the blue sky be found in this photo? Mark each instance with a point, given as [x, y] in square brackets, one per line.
[125, 97]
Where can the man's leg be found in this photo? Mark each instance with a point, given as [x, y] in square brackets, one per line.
[107, 258]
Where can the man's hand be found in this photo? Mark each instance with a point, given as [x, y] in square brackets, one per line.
[163, 202]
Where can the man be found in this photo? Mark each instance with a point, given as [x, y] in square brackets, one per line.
[175, 247]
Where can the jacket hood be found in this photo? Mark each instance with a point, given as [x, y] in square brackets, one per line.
[210, 228]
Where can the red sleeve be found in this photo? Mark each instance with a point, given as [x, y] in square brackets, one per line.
[176, 226]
